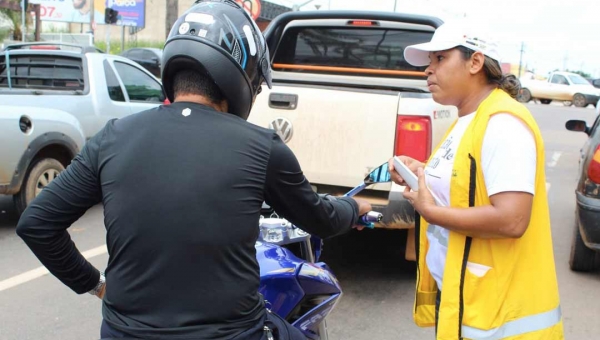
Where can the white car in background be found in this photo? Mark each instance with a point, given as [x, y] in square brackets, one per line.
[561, 86]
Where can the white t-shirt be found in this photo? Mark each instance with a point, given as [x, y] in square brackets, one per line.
[508, 162]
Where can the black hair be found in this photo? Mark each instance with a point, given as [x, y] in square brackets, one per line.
[196, 82]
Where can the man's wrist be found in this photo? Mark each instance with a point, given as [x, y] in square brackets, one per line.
[99, 286]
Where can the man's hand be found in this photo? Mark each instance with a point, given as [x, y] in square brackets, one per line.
[411, 163]
[363, 208]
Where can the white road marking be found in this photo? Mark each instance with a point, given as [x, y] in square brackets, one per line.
[41, 271]
[555, 158]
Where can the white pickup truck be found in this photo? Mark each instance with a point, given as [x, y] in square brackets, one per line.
[345, 100]
[562, 86]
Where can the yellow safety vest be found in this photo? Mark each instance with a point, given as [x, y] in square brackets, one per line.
[517, 298]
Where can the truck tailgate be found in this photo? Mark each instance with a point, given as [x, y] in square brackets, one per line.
[323, 122]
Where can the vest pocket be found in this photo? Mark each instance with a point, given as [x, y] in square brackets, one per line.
[477, 269]
[479, 291]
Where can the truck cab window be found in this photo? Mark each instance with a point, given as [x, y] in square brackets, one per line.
[139, 85]
[115, 92]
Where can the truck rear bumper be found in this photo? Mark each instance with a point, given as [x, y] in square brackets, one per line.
[588, 215]
[398, 213]
[591, 99]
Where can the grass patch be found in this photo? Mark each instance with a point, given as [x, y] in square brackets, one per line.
[115, 45]
[4, 34]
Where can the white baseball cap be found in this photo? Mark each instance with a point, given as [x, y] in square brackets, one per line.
[450, 35]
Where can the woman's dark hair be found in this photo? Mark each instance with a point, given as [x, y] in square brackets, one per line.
[493, 72]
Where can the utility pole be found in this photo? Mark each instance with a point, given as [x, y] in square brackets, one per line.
[172, 11]
[23, 26]
[521, 57]
[565, 60]
[92, 22]
[395, 5]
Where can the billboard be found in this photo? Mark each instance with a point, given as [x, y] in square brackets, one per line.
[131, 12]
[70, 10]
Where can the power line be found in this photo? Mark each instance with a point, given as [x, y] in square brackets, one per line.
[521, 57]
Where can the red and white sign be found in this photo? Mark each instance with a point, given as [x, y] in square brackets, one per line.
[70, 10]
[251, 6]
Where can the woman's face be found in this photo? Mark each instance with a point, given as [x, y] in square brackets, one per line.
[447, 74]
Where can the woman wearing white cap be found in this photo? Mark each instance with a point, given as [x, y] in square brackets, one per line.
[485, 260]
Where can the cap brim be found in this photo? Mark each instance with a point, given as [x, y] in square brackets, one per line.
[418, 55]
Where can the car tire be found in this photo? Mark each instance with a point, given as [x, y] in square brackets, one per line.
[524, 96]
[40, 173]
[582, 258]
[545, 101]
[579, 100]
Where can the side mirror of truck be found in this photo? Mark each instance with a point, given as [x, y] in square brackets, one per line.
[577, 126]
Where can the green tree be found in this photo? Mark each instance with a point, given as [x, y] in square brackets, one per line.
[581, 73]
[15, 18]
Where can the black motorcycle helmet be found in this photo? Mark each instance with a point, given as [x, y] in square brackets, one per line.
[221, 38]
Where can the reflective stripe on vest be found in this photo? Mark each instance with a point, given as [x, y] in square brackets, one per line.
[523, 325]
[437, 234]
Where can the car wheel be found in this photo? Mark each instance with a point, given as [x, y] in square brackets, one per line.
[545, 101]
[579, 100]
[40, 174]
[582, 258]
[524, 96]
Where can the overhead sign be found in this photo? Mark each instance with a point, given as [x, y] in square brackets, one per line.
[131, 12]
[251, 6]
[70, 10]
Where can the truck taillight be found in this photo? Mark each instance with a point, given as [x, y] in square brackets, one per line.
[594, 167]
[413, 137]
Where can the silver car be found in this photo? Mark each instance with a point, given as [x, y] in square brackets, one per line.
[53, 100]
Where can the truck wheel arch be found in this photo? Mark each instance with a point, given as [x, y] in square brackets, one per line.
[53, 145]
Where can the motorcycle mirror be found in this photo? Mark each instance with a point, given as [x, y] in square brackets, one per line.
[381, 174]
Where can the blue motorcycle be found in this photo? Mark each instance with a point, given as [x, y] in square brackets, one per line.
[294, 284]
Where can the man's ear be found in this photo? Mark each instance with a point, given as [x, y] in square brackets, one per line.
[476, 63]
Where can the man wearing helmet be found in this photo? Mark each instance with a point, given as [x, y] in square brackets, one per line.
[182, 187]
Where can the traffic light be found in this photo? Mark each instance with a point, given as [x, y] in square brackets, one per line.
[110, 16]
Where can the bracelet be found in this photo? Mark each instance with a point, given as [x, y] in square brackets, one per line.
[99, 285]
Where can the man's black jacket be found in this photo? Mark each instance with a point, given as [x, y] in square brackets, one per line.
[182, 187]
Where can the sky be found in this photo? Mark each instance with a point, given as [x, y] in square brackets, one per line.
[555, 34]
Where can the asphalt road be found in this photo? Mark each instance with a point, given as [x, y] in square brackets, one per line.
[378, 285]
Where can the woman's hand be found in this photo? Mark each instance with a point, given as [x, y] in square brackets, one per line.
[421, 200]
[411, 163]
